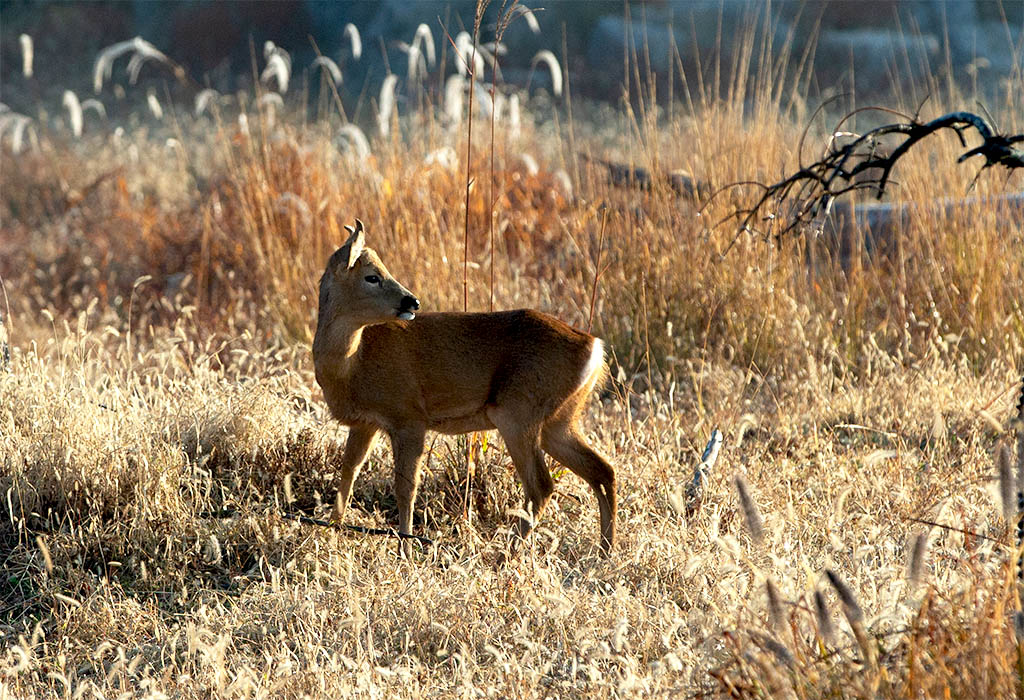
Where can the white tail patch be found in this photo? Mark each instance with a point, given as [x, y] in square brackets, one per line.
[595, 362]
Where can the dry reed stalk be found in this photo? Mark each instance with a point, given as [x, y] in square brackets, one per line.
[44, 550]
[597, 267]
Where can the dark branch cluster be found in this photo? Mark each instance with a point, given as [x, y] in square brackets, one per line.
[862, 164]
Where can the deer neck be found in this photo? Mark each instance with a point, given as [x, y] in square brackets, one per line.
[336, 351]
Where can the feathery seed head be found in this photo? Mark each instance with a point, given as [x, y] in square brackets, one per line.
[822, 618]
[851, 607]
[751, 514]
[915, 560]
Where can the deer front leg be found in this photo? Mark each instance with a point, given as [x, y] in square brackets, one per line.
[360, 442]
[407, 444]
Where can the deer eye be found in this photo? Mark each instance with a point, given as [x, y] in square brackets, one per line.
[372, 279]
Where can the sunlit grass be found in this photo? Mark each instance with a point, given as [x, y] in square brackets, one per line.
[159, 297]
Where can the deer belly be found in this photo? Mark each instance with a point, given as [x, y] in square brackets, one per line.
[456, 425]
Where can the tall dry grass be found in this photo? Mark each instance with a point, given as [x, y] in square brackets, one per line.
[159, 415]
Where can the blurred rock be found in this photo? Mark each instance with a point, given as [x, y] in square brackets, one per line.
[874, 57]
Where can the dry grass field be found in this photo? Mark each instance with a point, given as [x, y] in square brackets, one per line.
[159, 415]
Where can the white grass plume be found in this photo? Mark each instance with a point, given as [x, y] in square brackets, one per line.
[135, 64]
[355, 140]
[176, 147]
[357, 43]
[74, 108]
[328, 65]
[528, 164]
[271, 102]
[454, 89]
[22, 128]
[528, 15]
[553, 66]
[27, 55]
[142, 51]
[465, 53]
[499, 105]
[154, 105]
[387, 104]
[514, 119]
[96, 106]
[204, 99]
[425, 38]
[444, 156]
[417, 66]
[17, 123]
[495, 48]
[564, 182]
[279, 69]
[483, 52]
[101, 70]
[483, 98]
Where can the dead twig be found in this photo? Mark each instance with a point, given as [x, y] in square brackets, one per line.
[813, 189]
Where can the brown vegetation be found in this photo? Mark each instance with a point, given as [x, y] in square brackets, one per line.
[159, 416]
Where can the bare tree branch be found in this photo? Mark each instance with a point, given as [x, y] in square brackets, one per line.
[807, 195]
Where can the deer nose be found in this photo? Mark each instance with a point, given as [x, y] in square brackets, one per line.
[409, 303]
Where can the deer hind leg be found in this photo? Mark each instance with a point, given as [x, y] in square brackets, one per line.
[360, 442]
[523, 443]
[561, 440]
[407, 444]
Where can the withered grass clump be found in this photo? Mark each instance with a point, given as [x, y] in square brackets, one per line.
[159, 418]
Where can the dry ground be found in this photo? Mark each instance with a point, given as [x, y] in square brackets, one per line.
[159, 416]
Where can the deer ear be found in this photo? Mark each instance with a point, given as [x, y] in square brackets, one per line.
[354, 244]
[359, 227]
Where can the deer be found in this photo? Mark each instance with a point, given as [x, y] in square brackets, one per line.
[384, 369]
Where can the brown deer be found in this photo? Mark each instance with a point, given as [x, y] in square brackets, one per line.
[384, 369]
